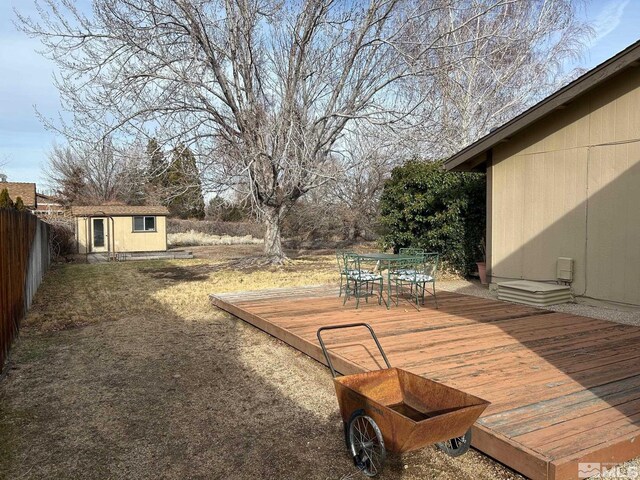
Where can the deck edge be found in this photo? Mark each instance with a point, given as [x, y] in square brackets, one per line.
[514, 455]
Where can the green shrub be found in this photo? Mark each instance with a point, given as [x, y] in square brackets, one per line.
[424, 206]
[19, 205]
[5, 199]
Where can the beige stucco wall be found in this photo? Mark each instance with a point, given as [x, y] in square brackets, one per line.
[122, 237]
[570, 186]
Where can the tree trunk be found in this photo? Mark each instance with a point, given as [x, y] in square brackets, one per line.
[272, 234]
[354, 228]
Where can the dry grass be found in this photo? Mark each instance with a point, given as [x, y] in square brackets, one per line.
[193, 238]
[78, 295]
[158, 384]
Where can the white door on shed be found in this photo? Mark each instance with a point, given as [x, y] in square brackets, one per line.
[99, 235]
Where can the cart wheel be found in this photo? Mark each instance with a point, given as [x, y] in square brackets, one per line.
[456, 446]
[366, 445]
[345, 425]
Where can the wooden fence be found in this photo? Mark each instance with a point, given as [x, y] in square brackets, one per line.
[24, 259]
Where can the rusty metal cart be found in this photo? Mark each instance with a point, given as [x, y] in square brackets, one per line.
[395, 410]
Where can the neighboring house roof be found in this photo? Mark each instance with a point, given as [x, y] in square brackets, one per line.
[476, 154]
[48, 205]
[47, 199]
[119, 210]
[26, 191]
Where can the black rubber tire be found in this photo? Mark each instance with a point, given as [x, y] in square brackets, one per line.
[370, 461]
[354, 414]
[456, 446]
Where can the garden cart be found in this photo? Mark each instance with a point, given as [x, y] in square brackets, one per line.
[395, 410]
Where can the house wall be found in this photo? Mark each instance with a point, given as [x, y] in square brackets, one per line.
[121, 231]
[570, 186]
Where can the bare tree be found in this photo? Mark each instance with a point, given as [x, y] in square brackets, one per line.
[506, 61]
[347, 205]
[84, 175]
[493, 68]
[366, 159]
[260, 90]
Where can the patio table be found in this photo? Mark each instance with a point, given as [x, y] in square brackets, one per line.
[388, 260]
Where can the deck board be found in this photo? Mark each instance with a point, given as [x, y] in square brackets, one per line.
[564, 389]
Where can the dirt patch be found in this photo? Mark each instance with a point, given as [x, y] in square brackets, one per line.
[159, 384]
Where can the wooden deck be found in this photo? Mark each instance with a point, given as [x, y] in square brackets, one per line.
[564, 389]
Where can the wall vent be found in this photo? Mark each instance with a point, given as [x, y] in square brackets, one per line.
[564, 269]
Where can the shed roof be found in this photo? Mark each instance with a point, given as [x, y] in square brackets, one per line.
[119, 210]
[25, 190]
[476, 154]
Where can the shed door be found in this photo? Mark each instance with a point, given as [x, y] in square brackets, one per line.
[98, 235]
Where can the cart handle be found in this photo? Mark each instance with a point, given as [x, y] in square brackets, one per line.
[349, 325]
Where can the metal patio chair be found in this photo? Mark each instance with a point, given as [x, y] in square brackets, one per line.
[360, 282]
[408, 266]
[344, 276]
[418, 277]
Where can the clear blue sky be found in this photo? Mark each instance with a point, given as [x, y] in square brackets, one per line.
[26, 81]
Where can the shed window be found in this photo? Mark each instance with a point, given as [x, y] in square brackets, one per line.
[144, 224]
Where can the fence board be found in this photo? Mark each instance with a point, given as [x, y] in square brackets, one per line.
[24, 259]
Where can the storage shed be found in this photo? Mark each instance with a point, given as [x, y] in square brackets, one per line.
[563, 186]
[116, 229]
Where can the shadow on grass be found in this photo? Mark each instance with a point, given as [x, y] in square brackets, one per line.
[150, 396]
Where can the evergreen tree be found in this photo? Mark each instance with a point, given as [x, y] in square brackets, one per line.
[5, 199]
[424, 206]
[183, 181]
[19, 205]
